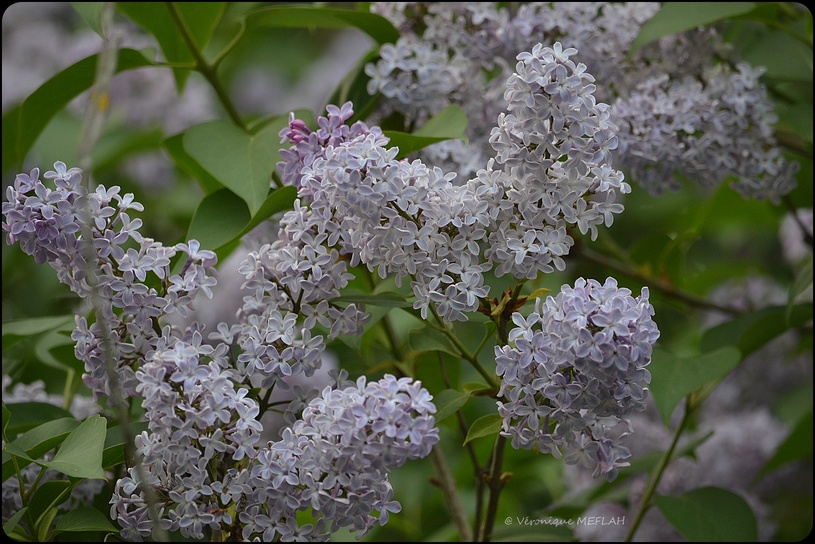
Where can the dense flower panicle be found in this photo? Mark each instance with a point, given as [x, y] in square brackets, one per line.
[296, 276]
[308, 144]
[198, 417]
[408, 220]
[203, 427]
[49, 223]
[335, 460]
[554, 146]
[707, 130]
[469, 47]
[576, 371]
[399, 218]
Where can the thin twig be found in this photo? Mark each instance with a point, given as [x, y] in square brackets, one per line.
[478, 470]
[209, 71]
[92, 126]
[653, 482]
[448, 489]
[655, 284]
[496, 485]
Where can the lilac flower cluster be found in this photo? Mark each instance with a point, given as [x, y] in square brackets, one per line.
[706, 130]
[399, 218]
[575, 373]
[48, 224]
[554, 144]
[199, 421]
[203, 425]
[295, 276]
[459, 53]
[405, 219]
[335, 460]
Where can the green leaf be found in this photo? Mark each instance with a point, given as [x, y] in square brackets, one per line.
[91, 13]
[84, 519]
[751, 331]
[175, 147]
[200, 18]
[449, 124]
[37, 442]
[222, 217]
[673, 378]
[784, 57]
[11, 450]
[47, 496]
[48, 352]
[427, 339]
[795, 404]
[796, 118]
[27, 415]
[80, 455]
[802, 282]
[386, 299]
[16, 330]
[44, 522]
[219, 218]
[710, 514]
[114, 451]
[478, 389]
[488, 425]
[448, 402]
[279, 200]
[23, 124]
[675, 17]
[241, 162]
[376, 26]
[14, 520]
[798, 445]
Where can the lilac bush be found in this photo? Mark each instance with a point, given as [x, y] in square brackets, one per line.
[388, 264]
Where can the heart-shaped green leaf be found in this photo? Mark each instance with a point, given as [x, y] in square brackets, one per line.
[710, 514]
[222, 217]
[672, 377]
[84, 519]
[448, 402]
[488, 425]
[80, 455]
[241, 162]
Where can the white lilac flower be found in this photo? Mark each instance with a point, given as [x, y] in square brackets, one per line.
[336, 458]
[700, 134]
[408, 220]
[575, 373]
[707, 130]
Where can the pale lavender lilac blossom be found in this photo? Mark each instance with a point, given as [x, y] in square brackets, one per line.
[48, 225]
[203, 426]
[468, 48]
[408, 220]
[575, 370]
